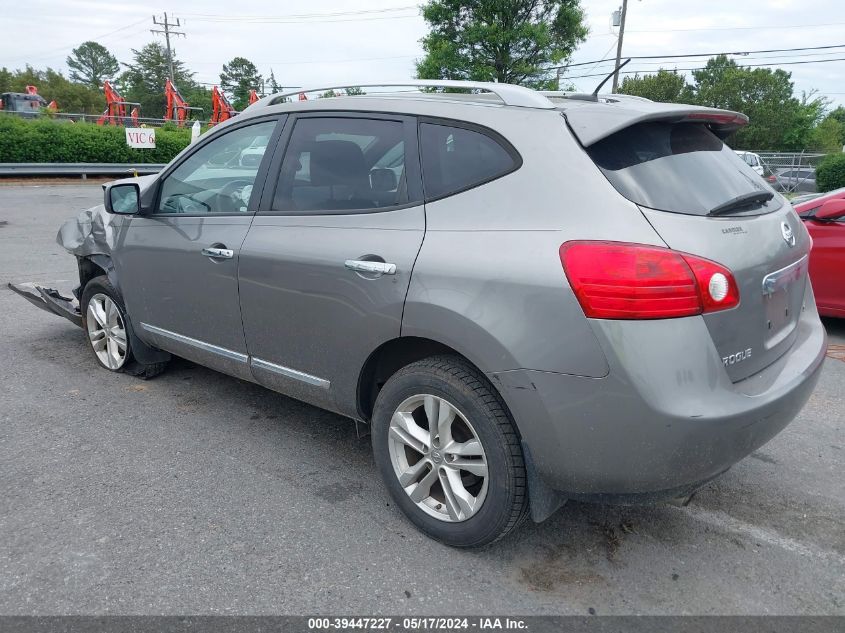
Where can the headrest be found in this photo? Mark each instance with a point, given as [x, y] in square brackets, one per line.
[337, 163]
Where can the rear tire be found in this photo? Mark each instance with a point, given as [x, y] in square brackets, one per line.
[107, 330]
[463, 483]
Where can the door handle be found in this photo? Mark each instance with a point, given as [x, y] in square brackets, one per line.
[218, 253]
[364, 266]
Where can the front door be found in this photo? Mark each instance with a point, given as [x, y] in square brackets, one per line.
[325, 267]
[178, 264]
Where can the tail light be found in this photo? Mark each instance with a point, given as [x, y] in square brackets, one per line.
[771, 178]
[616, 280]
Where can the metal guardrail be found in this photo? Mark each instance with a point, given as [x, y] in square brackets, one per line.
[78, 169]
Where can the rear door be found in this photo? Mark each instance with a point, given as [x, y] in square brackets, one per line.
[325, 267]
[678, 172]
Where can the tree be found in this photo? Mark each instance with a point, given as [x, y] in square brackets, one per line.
[53, 85]
[5, 79]
[91, 63]
[777, 120]
[239, 76]
[828, 135]
[839, 115]
[666, 86]
[510, 41]
[272, 86]
[830, 174]
[143, 81]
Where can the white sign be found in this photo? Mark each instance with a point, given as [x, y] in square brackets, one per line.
[141, 137]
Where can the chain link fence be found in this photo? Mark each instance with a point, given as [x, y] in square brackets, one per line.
[788, 172]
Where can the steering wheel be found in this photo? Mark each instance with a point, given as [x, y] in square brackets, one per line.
[231, 196]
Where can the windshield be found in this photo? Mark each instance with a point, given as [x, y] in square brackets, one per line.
[678, 167]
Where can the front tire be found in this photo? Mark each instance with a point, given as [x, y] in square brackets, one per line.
[449, 453]
[107, 329]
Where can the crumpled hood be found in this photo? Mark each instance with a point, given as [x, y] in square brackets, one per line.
[89, 233]
[92, 232]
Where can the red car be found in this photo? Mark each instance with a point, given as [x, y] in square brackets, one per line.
[824, 217]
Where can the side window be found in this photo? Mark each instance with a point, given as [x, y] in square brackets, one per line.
[334, 163]
[218, 177]
[456, 158]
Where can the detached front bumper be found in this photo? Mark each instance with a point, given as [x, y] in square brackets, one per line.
[50, 300]
[665, 420]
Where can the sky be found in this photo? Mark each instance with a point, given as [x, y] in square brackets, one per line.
[326, 42]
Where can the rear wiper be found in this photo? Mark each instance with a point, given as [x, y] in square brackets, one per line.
[744, 200]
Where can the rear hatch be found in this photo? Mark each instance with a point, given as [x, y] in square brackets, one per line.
[703, 199]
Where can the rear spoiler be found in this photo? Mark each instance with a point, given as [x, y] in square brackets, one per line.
[593, 122]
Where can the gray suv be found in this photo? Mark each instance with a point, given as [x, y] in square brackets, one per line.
[527, 297]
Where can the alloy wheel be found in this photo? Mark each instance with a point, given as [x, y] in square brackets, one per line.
[106, 331]
[438, 458]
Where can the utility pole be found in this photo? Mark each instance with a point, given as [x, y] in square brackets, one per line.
[167, 31]
[624, 11]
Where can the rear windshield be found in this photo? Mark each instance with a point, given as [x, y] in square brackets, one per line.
[677, 167]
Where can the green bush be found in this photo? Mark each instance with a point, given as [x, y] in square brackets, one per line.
[45, 140]
[830, 173]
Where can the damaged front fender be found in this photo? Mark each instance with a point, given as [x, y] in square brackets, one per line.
[91, 232]
[89, 236]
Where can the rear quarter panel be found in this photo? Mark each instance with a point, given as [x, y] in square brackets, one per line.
[488, 281]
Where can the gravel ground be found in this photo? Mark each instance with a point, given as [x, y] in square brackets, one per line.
[198, 493]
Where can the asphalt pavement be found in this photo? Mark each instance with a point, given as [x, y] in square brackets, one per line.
[197, 493]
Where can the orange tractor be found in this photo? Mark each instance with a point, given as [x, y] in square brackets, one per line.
[115, 112]
[221, 110]
[177, 108]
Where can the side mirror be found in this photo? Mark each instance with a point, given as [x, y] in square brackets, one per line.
[831, 210]
[122, 198]
[383, 180]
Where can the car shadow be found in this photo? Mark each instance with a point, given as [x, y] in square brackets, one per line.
[317, 451]
[834, 327]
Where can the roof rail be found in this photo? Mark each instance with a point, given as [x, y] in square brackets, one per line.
[510, 94]
[583, 96]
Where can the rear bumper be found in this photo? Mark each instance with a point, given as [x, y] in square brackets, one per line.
[666, 418]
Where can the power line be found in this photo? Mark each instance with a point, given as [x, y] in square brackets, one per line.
[739, 28]
[634, 72]
[318, 61]
[167, 32]
[331, 21]
[777, 59]
[603, 59]
[684, 55]
[50, 53]
[296, 16]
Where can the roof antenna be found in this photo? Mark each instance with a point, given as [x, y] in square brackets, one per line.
[606, 79]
